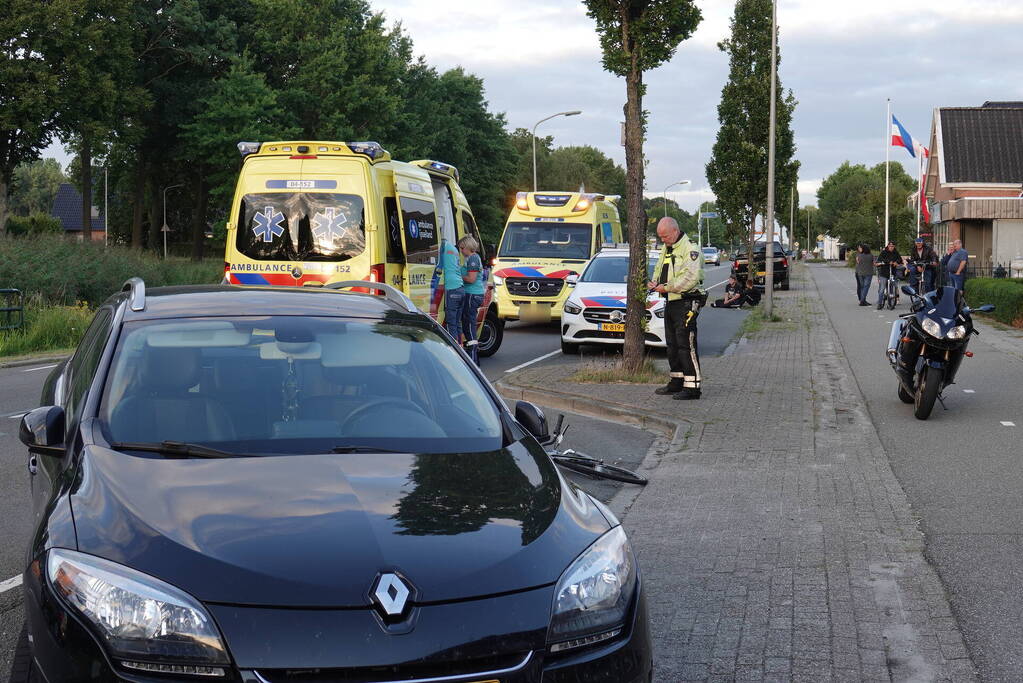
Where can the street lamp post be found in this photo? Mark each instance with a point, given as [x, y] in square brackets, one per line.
[166, 228]
[665, 194]
[560, 113]
[769, 246]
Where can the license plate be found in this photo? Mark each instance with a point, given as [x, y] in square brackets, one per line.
[761, 273]
[612, 327]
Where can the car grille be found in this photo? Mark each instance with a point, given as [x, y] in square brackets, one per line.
[603, 314]
[464, 670]
[604, 334]
[545, 286]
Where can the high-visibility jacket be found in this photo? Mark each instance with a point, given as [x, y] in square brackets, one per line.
[685, 268]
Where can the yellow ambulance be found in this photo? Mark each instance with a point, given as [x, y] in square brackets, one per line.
[548, 240]
[307, 213]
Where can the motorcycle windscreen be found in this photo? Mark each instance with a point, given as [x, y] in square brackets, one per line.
[947, 301]
[420, 239]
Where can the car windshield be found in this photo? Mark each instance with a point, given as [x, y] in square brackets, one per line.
[547, 240]
[759, 249]
[612, 269]
[710, 250]
[283, 384]
[301, 226]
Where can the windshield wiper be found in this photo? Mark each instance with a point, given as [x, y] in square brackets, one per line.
[362, 449]
[188, 450]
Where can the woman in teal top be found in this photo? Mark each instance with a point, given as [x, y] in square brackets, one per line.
[454, 289]
[474, 285]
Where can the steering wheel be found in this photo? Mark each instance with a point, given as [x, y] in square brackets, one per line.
[399, 402]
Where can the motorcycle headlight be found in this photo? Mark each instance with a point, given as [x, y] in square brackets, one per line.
[592, 597]
[932, 328]
[572, 309]
[957, 332]
[148, 625]
[498, 280]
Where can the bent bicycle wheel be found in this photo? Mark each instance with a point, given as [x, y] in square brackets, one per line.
[595, 468]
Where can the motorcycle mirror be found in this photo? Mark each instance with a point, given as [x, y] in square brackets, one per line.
[906, 289]
[986, 308]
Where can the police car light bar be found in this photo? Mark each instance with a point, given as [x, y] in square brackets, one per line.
[371, 149]
[247, 148]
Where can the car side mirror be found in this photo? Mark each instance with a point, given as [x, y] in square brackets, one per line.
[42, 430]
[906, 289]
[533, 419]
[571, 280]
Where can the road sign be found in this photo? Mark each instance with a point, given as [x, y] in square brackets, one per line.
[709, 214]
[165, 228]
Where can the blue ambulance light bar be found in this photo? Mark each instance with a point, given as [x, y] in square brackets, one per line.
[247, 148]
[371, 149]
[446, 169]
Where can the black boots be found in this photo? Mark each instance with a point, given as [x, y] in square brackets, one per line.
[687, 395]
[669, 389]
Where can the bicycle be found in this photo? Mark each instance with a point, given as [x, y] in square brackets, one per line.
[576, 461]
[890, 297]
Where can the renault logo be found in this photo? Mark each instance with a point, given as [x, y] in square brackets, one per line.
[533, 286]
[391, 594]
[617, 316]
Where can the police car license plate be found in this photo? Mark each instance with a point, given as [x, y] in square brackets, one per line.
[612, 327]
[761, 273]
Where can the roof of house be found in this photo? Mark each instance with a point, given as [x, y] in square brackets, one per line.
[1003, 105]
[982, 144]
[67, 206]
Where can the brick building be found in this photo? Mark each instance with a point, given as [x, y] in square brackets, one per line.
[974, 182]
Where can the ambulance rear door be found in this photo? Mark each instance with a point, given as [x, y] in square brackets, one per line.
[420, 238]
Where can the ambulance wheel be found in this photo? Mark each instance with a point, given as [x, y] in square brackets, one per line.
[491, 335]
[569, 349]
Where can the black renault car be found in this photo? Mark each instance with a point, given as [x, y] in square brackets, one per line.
[307, 486]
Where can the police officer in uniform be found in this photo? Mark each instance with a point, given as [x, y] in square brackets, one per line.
[679, 274]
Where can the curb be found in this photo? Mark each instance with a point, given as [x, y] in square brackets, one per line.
[21, 362]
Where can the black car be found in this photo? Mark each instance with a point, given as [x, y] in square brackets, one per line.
[277, 485]
[740, 265]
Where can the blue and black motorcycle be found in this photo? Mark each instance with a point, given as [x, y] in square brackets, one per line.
[927, 345]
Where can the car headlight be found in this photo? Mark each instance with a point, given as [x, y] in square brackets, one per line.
[659, 312]
[498, 280]
[592, 597]
[573, 309]
[932, 328]
[957, 332]
[147, 624]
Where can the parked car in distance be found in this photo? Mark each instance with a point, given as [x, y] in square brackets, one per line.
[740, 265]
[283, 484]
[711, 255]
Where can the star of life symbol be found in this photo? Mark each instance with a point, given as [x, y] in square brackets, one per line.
[328, 224]
[268, 224]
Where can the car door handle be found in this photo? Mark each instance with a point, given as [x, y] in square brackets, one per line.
[33, 465]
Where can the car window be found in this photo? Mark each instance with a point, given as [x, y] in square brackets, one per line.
[296, 385]
[301, 226]
[612, 269]
[83, 365]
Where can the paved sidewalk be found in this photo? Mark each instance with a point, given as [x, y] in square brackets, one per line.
[775, 541]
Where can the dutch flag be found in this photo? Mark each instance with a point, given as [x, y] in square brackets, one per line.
[901, 137]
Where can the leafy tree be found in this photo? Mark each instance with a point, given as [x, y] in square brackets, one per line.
[34, 186]
[737, 171]
[852, 205]
[636, 36]
[27, 88]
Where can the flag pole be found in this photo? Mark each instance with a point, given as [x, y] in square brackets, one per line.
[887, 150]
[919, 189]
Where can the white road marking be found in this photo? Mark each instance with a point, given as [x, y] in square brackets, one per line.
[42, 367]
[535, 360]
[10, 583]
[969, 391]
[1008, 424]
[18, 416]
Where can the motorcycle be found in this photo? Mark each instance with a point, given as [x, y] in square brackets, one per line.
[927, 345]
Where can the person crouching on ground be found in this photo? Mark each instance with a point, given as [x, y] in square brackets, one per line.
[679, 273]
[475, 283]
[750, 295]
[733, 295]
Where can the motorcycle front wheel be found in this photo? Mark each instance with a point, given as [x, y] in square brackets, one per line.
[927, 392]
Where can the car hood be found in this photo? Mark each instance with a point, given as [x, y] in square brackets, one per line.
[316, 530]
[605, 295]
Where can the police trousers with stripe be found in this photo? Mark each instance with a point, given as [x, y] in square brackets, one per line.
[680, 334]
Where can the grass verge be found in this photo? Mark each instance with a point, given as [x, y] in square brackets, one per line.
[613, 372]
[47, 328]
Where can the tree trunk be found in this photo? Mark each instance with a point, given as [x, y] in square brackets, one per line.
[3, 206]
[155, 243]
[635, 347]
[137, 201]
[199, 217]
[85, 156]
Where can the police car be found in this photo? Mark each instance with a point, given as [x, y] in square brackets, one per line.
[595, 311]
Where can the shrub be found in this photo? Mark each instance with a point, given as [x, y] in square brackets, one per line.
[35, 224]
[1006, 295]
[59, 271]
[47, 328]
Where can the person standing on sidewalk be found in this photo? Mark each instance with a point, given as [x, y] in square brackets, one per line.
[679, 275]
[864, 272]
[957, 261]
[886, 262]
[475, 283]
[454, 289]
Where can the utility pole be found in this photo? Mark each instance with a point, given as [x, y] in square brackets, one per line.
[560, 113]
[769, 245]
[106, 220]
[166, 228]
[792, 213]
[664, 194]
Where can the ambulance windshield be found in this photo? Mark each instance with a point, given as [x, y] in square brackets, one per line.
[301, 226]
[547, 240]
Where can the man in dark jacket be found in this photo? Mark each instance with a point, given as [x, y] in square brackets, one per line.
[886, 261]
[926, 266]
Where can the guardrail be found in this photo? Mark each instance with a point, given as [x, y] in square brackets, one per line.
[12, 312]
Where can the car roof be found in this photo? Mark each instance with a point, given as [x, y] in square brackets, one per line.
[192, 301]
[605, 252]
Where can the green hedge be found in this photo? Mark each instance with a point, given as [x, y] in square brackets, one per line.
[1006, 295]
[54, 270]
[36, 224]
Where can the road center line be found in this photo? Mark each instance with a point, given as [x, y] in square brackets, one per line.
[10, 583]
[969, 391]
[535, 360]
[42, 367]
[1008, 424]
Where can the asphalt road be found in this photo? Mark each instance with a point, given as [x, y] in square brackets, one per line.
[962, 470]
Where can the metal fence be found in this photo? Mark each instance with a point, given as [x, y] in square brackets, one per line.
[12, 312]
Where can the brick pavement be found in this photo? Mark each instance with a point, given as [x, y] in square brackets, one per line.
[775, 541]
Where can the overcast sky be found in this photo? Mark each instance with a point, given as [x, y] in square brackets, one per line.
[841, 59]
